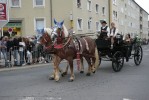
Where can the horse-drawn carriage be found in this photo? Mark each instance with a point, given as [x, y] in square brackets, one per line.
[120, 52]
[85, 47]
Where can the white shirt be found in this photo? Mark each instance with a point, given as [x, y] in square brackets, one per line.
[21, 48]
[113, 34]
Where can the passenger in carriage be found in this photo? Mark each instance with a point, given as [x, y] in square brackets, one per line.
[104, 30]
[128, 42]
[128, 39]
[113, 33]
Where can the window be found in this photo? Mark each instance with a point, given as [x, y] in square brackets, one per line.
[125, 16]
[122, 23]
[115, 15]
[103, 10]
[79, 24]
[90, 24]
[122, 10]
[39, 23]
[15, 3]
[131, 24]
[89, 3]
[97, 26]
[39, 3]
[79, 3]
[128, 2]
[114, 2]
[97, 8]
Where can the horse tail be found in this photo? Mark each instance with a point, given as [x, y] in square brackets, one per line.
[97, 58]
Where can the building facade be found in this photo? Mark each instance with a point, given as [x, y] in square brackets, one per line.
[144, 24]
[28, 15]
[83, 16]
[130, 18]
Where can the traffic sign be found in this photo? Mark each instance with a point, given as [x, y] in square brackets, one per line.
[10, 30]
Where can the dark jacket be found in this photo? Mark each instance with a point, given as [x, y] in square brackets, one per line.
[9, 45]
[16, 43]
[30, 46]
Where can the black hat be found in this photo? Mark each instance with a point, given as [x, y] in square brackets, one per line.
[104, 22]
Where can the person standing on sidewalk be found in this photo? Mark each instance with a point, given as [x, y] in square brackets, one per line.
[4, 49]
[10, 46]
[16, 48]
[21, 51]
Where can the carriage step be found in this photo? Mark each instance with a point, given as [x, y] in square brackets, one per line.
[106, 58]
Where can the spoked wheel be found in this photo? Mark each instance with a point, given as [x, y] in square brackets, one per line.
[99, 62]
[118, 61]
[138, 54]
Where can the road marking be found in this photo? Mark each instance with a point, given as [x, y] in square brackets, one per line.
[43, 98]
[126, 99]
[28, 98]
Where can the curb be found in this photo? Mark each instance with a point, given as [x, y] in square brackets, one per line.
[27, 66]
[24, 67]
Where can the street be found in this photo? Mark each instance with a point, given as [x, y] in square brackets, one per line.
[132, 83]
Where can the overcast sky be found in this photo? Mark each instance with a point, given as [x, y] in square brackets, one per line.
[144, 4]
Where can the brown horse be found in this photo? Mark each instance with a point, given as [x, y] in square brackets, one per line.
[69, 52]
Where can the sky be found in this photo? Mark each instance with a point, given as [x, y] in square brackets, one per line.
[144, 4]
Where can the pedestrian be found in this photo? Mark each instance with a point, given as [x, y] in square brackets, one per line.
[10, 46]
[21, 51]
[4, 49]
[16, 49]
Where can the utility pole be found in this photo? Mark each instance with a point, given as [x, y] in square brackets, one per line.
[51, 13]
[110, 11]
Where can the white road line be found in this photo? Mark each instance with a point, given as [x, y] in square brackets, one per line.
[126, 99]
[28, 98]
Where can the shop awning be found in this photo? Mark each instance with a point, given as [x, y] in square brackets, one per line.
[17, 25]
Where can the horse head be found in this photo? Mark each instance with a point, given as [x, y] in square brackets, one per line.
[44, 36]
[59, 29]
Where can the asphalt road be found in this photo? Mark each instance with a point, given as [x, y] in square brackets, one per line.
[132, 83]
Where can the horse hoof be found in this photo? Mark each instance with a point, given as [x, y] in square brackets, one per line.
[70, 80]
[51, 78]
[56, 80]
[88, 74]
[63, 74]
[81, 72]
[94, 72]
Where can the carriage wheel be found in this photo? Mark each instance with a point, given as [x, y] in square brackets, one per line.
[138, 54]
[99, 59]
[117, 61]
[99, 62]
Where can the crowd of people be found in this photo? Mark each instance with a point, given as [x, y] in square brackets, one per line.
[22, 50]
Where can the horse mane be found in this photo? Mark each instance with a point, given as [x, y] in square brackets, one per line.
[65, 31]
[48, 30]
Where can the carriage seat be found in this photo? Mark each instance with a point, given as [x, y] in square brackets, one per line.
[103, 43]
[118, 39]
